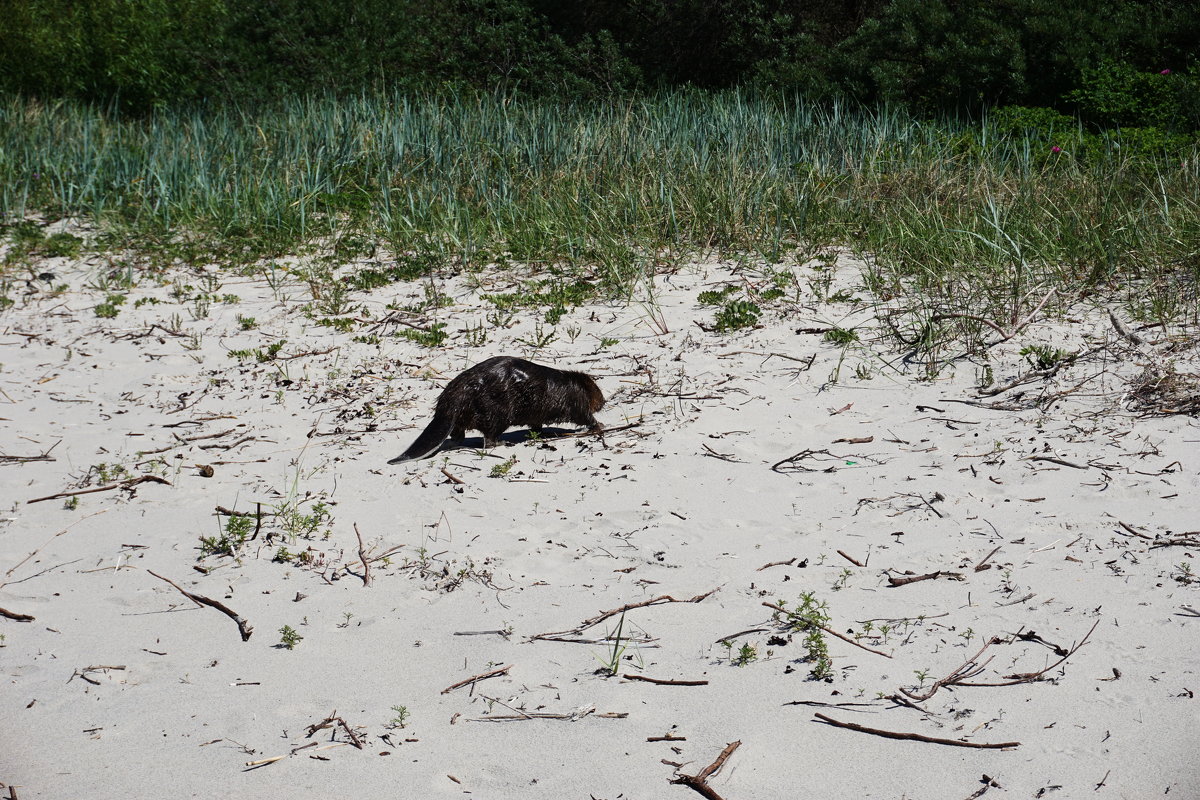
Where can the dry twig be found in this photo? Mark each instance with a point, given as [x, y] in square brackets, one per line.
[200, 600]
[699, 781]
[128, 484]
[476, 678]
[916, 737]
[663, 681]
[603, 615]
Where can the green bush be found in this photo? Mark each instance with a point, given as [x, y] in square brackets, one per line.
[1114, 94]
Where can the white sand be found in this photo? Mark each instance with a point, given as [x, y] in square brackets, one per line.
[684, 503]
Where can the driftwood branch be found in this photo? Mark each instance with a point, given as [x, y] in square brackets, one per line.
[476, 678]
[129, 484]
[699, 781]
[362, 554]
[603, 615]
[907, 579]
[200, 600]
[916, 737]
[4, 612]
[663, 681]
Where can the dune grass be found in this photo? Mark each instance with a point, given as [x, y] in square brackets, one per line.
[964, 216]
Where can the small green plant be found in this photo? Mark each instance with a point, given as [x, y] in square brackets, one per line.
[71, 503]
[841, 336]
[107, 473]
[840, 583]
[401, 719]
[746, 654]
[540, 338]
[607, 342]
[288, 637]
[237, 531]
[110, 307]
[1042, 356]
[434, 336]
[809, 617]
[501, 470]
[715, 297]
[62, 245]
[612, 663]
[1184, 574]
[476, 335]
[737, 314]
[246, 323]
[922, 676]
[296, 524]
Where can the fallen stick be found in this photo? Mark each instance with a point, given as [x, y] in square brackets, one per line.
[4, 612]
[475, 678]
[547, 715]
[1136, 533]
[699, 781]
[832, 632]
[663, 681]
[915, 737]
[904, 581]
[121, 485]
[366, 576]
[1030, 677]
[603, 615]
[453, 478]
[851, 559]
[180, 441]
[968, 669]
[982, 565]
[200, 600]
[1176, 541]
[786, 563]
[1054, 460]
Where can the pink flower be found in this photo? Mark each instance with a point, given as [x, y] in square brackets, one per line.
[1056, 149]
[1165, 72]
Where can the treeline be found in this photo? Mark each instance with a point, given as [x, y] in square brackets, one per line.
[1124, 62]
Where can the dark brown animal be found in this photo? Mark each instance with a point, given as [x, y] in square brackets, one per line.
[496, 394]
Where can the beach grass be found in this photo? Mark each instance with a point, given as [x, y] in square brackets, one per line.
[961, 215]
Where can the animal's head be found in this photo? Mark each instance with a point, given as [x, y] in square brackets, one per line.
[595, 396]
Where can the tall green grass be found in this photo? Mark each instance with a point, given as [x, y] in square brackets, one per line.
[965, 212]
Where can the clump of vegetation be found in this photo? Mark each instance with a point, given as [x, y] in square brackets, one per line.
[289, 638]
[433, 336]
[237, 531]
[841, 336]
[110, 307]
[809, 617]
[737, 314]
[501, 470]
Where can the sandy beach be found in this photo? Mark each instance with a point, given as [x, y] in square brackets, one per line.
[782, 541]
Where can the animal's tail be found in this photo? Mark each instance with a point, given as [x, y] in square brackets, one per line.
[430, 439]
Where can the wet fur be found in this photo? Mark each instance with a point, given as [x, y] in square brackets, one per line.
[503, 391]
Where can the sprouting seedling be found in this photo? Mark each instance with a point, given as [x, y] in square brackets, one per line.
[922, 676]
[840, 583]
[401, 718]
